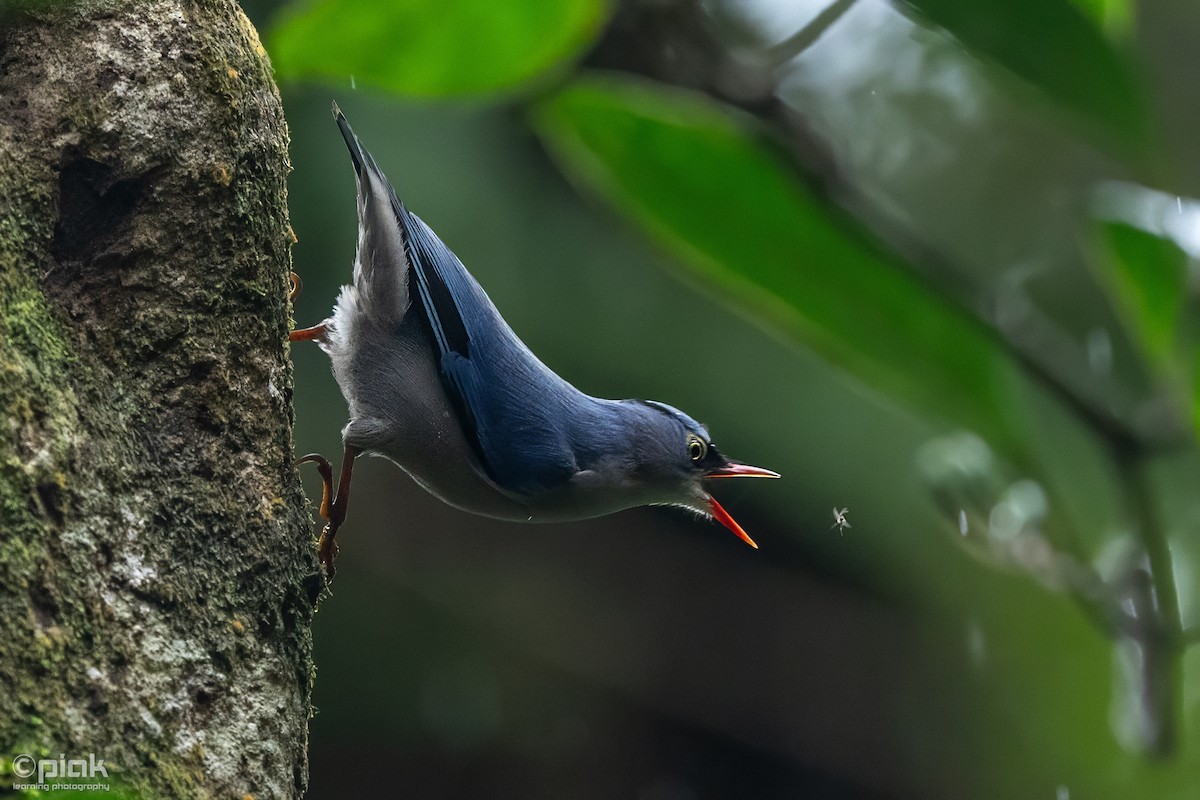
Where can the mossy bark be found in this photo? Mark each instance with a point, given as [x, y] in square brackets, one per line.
[156, 559]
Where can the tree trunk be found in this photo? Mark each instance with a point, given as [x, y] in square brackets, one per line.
[157, 572]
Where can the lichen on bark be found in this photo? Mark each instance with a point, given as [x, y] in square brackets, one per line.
[156, 555]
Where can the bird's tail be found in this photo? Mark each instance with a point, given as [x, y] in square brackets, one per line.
[381, 264]
[358, 154]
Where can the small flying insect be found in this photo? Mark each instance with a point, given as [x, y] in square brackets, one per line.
[839, 520]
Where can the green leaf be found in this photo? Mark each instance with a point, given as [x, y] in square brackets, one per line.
[1147, 278]
[694, 175]
[1055, 46]
[1113, 16]
[433, 48]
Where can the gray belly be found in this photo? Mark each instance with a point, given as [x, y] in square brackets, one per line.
[399, 410]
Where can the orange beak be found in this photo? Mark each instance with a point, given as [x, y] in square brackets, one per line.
[734, 469]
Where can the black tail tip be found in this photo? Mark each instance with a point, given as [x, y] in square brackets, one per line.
[337, 112]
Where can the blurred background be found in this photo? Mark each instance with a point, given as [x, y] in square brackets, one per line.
[932, 260]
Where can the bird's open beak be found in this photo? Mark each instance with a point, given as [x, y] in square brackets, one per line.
[735, 469]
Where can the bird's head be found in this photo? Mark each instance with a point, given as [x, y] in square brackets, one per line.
[677, 456]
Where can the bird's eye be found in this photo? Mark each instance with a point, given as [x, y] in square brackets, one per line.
[697, 449]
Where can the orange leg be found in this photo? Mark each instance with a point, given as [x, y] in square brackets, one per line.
[333, 505]
[316, 332]
[307, 334]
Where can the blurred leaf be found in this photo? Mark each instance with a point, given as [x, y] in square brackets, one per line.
[693, 174]
[1113, 16]
[1147, 276]
[433, 47]
[1053, 45]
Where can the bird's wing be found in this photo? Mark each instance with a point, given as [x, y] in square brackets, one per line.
[508, 401]
[486, 370]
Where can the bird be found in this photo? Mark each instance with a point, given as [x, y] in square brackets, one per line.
[438, 383]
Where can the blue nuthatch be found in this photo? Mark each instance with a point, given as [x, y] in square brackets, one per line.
[438, 383]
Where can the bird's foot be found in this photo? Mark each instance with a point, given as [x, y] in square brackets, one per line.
[316, 332]
[326, 546]
[334, 505]
[327, 550]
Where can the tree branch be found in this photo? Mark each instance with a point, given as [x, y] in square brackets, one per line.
[154, 542]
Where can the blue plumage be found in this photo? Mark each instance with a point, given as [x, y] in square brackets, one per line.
[488, 373]
[439, 383]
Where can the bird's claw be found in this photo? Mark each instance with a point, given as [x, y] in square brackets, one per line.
[333, 505]
[327, 550]
[326, 470]
[316, 332]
